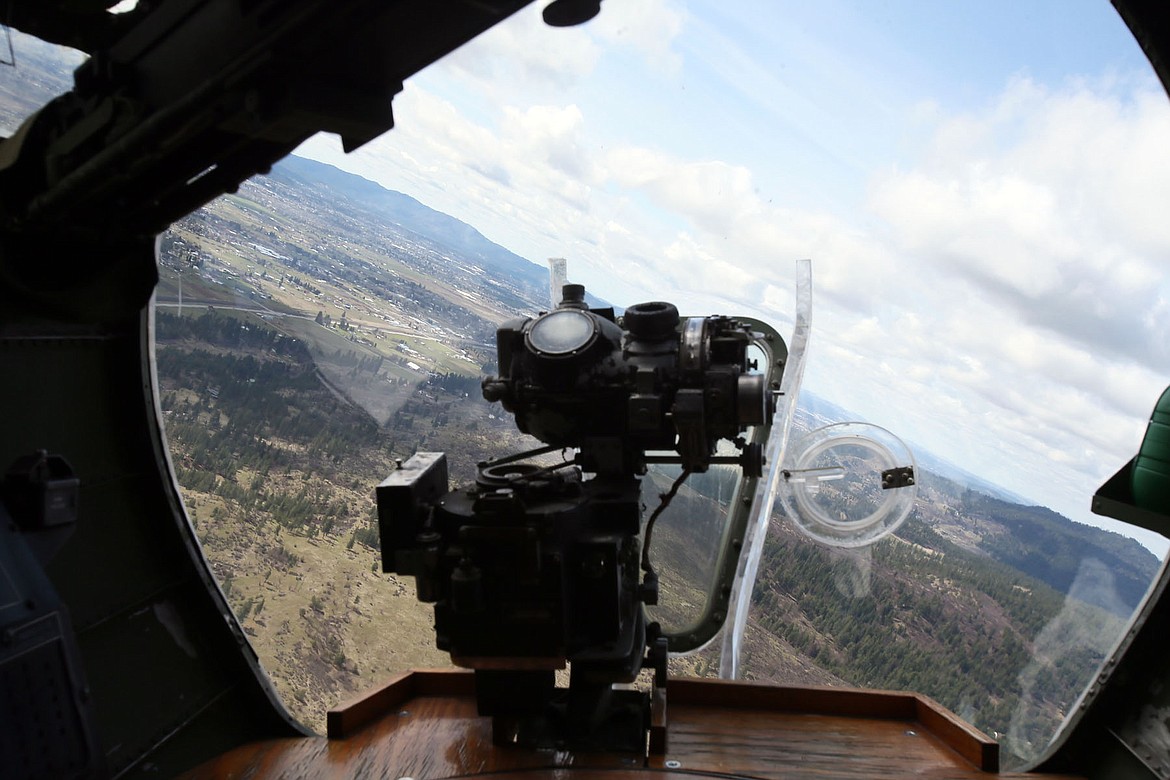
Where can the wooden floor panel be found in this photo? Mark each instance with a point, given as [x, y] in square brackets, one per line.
[767, 744]
[424, 725]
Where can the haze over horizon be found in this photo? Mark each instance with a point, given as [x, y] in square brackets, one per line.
[980, 194]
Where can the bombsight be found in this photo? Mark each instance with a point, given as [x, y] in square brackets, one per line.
[536, 566]
[573, 377]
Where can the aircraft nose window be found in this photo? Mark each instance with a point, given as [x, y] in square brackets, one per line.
[32, 72]
[980, 191]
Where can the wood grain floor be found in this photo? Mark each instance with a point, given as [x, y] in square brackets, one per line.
[424, 725]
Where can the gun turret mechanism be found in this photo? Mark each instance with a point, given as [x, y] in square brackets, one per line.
[534, 566]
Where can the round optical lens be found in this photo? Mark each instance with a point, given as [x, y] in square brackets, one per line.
[561, 332]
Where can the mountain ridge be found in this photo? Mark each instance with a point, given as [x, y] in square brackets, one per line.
[412, 214]
[1013, 530]
[1005, 518]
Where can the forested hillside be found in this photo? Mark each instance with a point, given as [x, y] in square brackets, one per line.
[278, 469]
[1047, 546]
[334, 346]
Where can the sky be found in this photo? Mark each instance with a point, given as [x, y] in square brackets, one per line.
[981, 188]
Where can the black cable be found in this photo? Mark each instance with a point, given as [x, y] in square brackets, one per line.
[665, 502]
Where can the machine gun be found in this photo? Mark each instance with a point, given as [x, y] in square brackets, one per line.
[537, 565]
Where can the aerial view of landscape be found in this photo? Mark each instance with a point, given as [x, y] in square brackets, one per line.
[314, 329]
[329, 328]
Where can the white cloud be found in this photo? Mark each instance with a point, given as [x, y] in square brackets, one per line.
[721, 205]
[523, 55]
[1093, 161]
[1050, 205]
[527, 57]
[552, 135]
[1004, 303]
[712, 194]
[648, 26]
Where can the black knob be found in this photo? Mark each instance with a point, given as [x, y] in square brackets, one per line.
[653, 320]
[573, 294]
